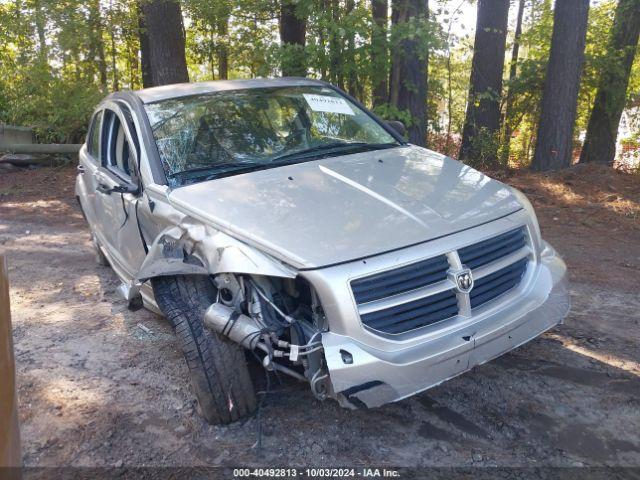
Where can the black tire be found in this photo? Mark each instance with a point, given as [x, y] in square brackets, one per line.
[218, 367]
[101, 259]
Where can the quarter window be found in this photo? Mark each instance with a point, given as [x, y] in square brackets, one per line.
[93, 145]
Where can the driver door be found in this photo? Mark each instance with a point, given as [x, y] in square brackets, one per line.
[117, 223]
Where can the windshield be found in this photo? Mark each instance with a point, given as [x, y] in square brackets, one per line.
[224, 133]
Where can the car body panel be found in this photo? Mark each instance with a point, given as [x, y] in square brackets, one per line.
[338, 209]
[177, 90]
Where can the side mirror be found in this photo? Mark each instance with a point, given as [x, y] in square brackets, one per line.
[397, 126]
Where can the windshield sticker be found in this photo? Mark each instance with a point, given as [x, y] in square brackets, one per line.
[325, 103]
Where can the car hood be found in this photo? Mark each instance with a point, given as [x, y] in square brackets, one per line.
[338, 209]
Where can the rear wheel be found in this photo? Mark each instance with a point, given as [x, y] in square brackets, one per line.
[100, 257]
[218, 367]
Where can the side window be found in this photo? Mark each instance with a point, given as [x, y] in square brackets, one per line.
[116, 151]
[93, 142]
[132, 128]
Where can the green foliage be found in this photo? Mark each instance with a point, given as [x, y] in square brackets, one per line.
[92, 47]
[484, 150]
[526, 88]
[58, 110]
[55, 86]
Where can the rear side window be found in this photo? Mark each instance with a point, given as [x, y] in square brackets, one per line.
[93, 144]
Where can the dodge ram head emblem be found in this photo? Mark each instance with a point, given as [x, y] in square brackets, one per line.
[464, 281]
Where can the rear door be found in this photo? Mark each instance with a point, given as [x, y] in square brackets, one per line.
[116, 216]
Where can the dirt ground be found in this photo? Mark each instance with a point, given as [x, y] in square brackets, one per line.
[102, 386]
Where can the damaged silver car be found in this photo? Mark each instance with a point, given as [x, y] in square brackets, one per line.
[279, 220]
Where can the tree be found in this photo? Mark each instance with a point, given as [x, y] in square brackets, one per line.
[293, 29]
[145, 50]
[351, 67]
[336, 68]
[482, 121]
[223, 50]
[40, 21]
[408, 84]
[210, 25]
[165, 42]
[96, 43]
[513, 70]
[602, 132]
[554, 142]
[379, 52]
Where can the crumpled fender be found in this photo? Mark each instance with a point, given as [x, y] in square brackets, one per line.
[194, 248]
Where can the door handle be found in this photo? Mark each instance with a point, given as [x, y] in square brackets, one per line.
[80, 168]
[102, 185]
[104, 189]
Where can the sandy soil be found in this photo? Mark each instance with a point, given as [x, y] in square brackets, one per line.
[96, 389]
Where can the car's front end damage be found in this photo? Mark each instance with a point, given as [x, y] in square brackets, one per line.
[376, 329]
[369, 366]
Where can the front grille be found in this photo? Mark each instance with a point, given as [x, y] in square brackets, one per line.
[492, 286]
[495, 248]
[415, 314]
[424, 294]
[400, 280]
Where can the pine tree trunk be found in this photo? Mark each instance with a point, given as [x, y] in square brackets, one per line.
[379, 52]
[114, 68]
[482, 122]
[323, 34]
[411, 62]
[223, 50]
[96, 43]
[166, 42]
[134, 65]
[336, 71]
[554, 142]
[508, 120]
[293, 30]
[145, 49]
[602, 132]
[352, 69]
[40, 20]
[398, 17]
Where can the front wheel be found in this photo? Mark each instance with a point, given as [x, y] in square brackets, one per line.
[218, 367]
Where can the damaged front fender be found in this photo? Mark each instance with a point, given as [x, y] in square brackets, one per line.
[194, 248]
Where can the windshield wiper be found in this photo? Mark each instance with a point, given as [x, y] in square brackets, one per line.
[327, 147]
[218, 169]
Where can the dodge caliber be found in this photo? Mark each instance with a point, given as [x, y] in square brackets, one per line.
[280, 221]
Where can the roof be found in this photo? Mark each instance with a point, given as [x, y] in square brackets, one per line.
[154, 94]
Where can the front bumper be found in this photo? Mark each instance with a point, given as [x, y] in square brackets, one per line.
[363, 376]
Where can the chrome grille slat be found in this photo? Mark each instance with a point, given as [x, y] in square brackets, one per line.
[418, 313]
[494, 285]
[400, 280]
[405, 297]
[484, 252]
[421, 294]
[496, 265]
